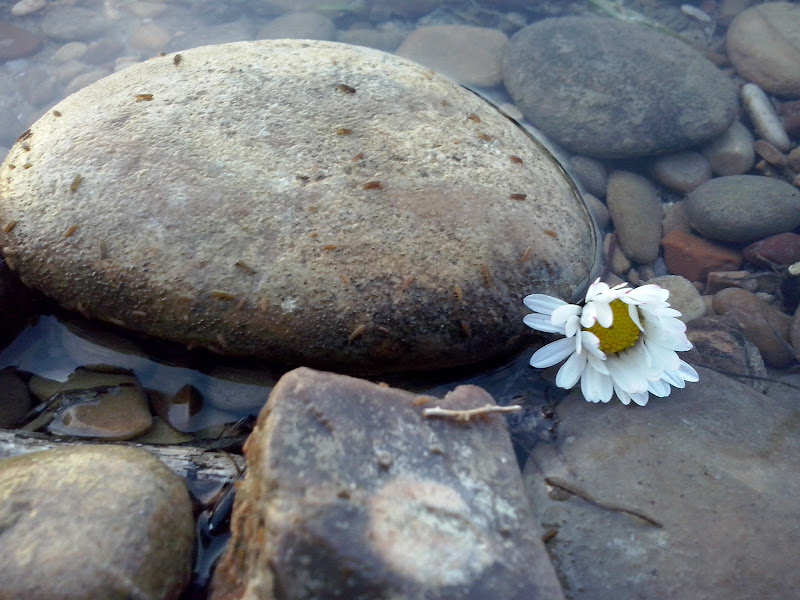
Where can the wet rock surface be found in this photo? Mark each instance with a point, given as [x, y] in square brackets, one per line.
[690, 498]
[610, 89]
[351, 492]
[762, 45]
[470, 55]
[93, 522]
[399, 222]
[743, 208]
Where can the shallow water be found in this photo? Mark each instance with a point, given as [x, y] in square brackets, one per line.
[232, 390]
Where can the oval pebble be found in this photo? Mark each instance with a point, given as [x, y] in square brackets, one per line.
[611, 89]
[301, 201]
[743, 208]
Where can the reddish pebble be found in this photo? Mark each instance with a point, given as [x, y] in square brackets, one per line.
[694, 258]
[779, 250]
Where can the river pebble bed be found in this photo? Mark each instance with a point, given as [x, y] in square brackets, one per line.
[680, 123]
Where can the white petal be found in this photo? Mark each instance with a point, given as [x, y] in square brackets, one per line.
[563, 313]
[604, 315]
[552, 353]
[542, 303]
[641, 398]
[571, 371]
[572, 326]
[633, 313]
[598, 364]
[596, 386]
[623, 396]
[541, 323]
[659, 388]
[598, 288]
[648, 293]
[629, 369]
[589, 314]
[688, 373]
[592, 343]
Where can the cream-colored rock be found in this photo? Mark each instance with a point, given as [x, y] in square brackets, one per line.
[762, 45]
[318, 203]
[27, 7]
[470, 55]
[149, 37]
[732, 152]
[70, 51]
[683, 296]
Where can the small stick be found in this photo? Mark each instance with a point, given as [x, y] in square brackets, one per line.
[466, 415]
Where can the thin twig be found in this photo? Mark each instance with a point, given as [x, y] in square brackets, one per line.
[466, 415]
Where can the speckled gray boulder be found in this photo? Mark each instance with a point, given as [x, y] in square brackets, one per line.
[743, 208]
[611, 89]
[305, 202]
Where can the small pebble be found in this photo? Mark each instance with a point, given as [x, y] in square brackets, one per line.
[681, 171]
[719, 280]
[762, 324]
[149, 37]
[694, 258]
[764, 118]
[635, 209]
[591, 173]
[27, 7]
[777, 251]
[732, 152]
[770, 153]
[470, 55]
[598, 209]
[683, 296]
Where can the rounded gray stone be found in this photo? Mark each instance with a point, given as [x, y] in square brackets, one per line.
[611, 89]
[636, 212]
[743, 208]
[304, 202]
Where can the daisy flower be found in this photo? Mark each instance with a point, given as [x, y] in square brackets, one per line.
[619, 340]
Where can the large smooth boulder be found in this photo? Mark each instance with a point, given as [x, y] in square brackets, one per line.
[305, 202]
[611, 89]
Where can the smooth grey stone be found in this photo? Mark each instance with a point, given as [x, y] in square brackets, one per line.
[90, 522]
[636, 212]
[302, 201]
[351, 492]
[693, 496]
[743, 208]
[610, 89]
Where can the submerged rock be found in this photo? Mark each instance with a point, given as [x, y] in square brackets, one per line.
[351, 492]
[305, 202]
[92, 522]
[693, 496]
[610, 89]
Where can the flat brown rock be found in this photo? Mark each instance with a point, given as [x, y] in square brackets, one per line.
[305, 202]
[351, 493]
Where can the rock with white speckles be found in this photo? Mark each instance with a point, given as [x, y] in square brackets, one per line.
[351, 493]
[305, 202]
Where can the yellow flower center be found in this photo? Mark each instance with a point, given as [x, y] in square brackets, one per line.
[623, 332]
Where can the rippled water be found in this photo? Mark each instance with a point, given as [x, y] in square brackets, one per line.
[233, 390]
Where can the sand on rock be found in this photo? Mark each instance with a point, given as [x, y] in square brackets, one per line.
[305, 202]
